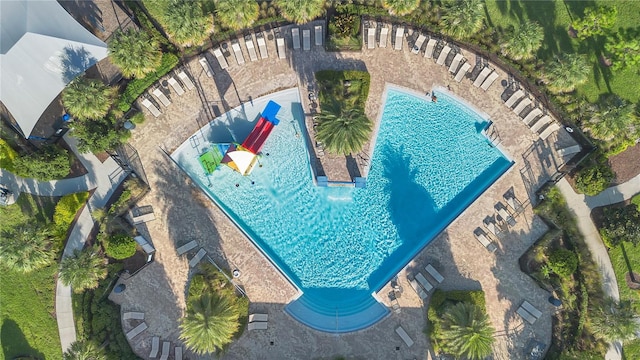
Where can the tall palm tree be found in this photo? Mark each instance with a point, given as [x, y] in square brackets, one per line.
[400, 7]
[300, 11]
[26, 249]
[343, 131]
[523, 42]
[566, 72]
[134, 52]
[463, 18]
[615, 321]
[88, 99]
[614, 119]
[83, 270]
[84, 350]
[186, 22]
[210, 323]
[466, 332]
[237, 14]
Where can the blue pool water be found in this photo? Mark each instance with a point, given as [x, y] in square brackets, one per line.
[340, 245]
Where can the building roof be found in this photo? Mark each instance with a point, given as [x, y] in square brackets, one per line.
[42, 48]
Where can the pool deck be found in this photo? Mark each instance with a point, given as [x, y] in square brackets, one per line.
[184, 213]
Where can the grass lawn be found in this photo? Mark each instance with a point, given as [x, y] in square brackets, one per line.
[555, 17]
[619, 257]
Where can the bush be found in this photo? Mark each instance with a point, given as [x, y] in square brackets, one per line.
[344, 25]
[121, 202]
[621, 224]
[49, 163]
[636, 201]
[7, 156]
[100, 134]
[65, 212]
[563, 262]
[592, 180]
[119, 246]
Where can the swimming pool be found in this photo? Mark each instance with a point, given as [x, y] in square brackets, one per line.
[340, 245]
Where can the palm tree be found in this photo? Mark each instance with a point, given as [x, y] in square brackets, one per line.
[26, 249]
[88, 99]
[566, 72]
[523, 42]
[343, 131]
[186, 22]
[84, 350]
[83, 270]
[400, 7]
[210, 323]
[614, 119]
[615, 321]
[300, 11]
[134, 52]
[463, 18]
[465, 331]
[237, 14]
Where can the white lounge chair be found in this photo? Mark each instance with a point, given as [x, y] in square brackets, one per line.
[295, 35]
[151, 107]
[399, 38]
[257, 325]
[258, 317]
[196, 259]
[462, 72]
[178, 353]
[404, 336]
[455, 63]
[541, 123]
[431, 44]
[155, 346]
[443, 55]
[384, 33]
[186, 247]
[136, 331]
[424, 282]
[262, 46]
[531, 309]
[549, 130]
[281, 48]
[492, 227]
[371, 38]
[186, 80]
[221, 59]
[532, 116]
[162, 97]
[306, 40]
[414, 284]
[522, 105]
[133, 315]
[482, 76]
[514, 97]
[504, 214]
[251, 49]
[205, 66]
[166, 348]
[569, 150]
[318, 32]
[174, 84]
[489, 81]
[238, 53]
[526, 315]
[418, 45]
[435, 274]
[486, 243]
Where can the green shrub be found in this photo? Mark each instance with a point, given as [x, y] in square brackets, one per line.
[592, 180]
[344, 25]
[332, 87]
[7, 156]
[98, 135]
[636, 201]
[66, 210]
[563, 262]
[121, 202]
[119, 246]
[621, 224]
[49, 163]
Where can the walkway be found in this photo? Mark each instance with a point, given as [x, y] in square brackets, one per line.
[581, 207]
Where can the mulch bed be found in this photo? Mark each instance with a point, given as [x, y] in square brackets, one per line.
[626, 164]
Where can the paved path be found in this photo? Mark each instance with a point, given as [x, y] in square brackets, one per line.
[581, 207]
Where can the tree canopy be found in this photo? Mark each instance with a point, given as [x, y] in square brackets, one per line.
[187, 23]
[88, 99]
[596, 21]
[523, 42]
[463, 18]
[237, 14]
[465, 331]
[134, 52]
[300, 11]
[566, 72]
[26, 249]
[400, 7]
[343, 131]
[83, 270]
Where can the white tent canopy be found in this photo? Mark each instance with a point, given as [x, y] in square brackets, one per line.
[42, 48]
[244, 161]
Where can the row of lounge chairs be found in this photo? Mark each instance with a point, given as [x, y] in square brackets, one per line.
[539, 123]
[306, 37]
[258, 322]
[183, 249]
[161, 97]
[507, 216]
[166, 349]
[421, 285]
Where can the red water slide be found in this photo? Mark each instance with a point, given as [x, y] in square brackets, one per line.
[258, 136]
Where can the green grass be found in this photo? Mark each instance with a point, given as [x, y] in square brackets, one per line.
[619, 256]
[631, 350]
[636, 200]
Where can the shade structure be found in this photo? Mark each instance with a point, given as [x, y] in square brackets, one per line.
[242, 161]
[42, 48]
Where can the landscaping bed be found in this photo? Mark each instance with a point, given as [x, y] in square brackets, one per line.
[625, 165]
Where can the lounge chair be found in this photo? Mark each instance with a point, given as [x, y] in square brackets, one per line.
[492, 227]
[514, 203]
[431, 44]
[404, 336]
[531, 309]
[455, 63]
[544, 121]
[526, 315]
[174, 84]
[371, 38]
[434, 273]
[532, 116]
[155, 346]
[489, 81]
[462, 71]
[424, 282]
[384, 33]
[205, 66]
[504, 214]
[237, 51]
[399, 38]
[318, 32]
[248, 42]
[443, 55]
[295, 35]
[257, 325]
[485, 242]
[281, 48]
[522, 105]
[186, 247]
[306, 40]
[262, 46]
[221, 59]
[514, 98]
[482, 76]
[166, 348]
[258, 317]
[178, 353]
[414, 284]
[133, 315]
[136, 331]
[161, 96]
[569, 150]
[418, 45]
[549, 130]
[151, 107]
[196, 259]
[185, 80]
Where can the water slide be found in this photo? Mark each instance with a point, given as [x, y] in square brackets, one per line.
[263, 128]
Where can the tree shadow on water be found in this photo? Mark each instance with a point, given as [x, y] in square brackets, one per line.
[14, 343]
